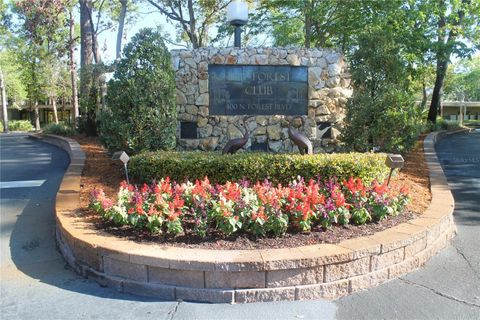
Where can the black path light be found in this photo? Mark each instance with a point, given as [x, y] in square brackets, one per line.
[394, 161]
[237, 16]
[123, 157]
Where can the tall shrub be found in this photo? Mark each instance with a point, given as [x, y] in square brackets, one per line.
[141, 111]
[382, 112]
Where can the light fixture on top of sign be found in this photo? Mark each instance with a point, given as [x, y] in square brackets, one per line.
[237, 16]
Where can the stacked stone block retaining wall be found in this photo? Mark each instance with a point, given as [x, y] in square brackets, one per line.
[238, 276]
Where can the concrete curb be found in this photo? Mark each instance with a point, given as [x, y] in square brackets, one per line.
[239, 276]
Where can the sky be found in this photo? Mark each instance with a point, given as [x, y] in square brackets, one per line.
[148, 18]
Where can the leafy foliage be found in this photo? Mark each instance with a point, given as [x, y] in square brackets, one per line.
[20, 125]
[59, 129]
[463, 80]
[11, 67]
[278, 168]
[260, 209]
[382, 112]
[192, 19]
[141, 111]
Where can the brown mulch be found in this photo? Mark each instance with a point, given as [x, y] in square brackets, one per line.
[101, 172]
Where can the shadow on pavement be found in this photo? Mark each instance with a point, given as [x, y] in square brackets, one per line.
[32, 232]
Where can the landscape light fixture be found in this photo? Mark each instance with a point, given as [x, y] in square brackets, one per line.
[237, 16]
[394, 161]
[123, 157]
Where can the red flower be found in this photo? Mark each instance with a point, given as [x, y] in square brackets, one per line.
[339, 198]
[199, 190]
[125, 185]
[165, 186]
[153, 211]
[259, 215]
[156, 189]
[107, 204]
[380, 189]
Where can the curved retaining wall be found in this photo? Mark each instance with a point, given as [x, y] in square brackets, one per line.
[239, 276]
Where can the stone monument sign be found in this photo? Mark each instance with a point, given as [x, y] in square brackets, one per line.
[217, 88]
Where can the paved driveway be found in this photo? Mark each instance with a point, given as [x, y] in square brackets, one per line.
[36, 283]
[449, 285]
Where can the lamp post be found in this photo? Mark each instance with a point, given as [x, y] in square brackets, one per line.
[394, 161]
[237, 16]
[122, 156]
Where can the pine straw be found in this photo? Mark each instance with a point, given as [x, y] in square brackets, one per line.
[101, 172]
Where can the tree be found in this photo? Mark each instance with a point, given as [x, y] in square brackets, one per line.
[43, 21]
[95, 18]
[382, 112]
[463, 79]
[195, 18]
[4, 103]
[11, 67]
[141, 111]
[73, 67]
[454, 23]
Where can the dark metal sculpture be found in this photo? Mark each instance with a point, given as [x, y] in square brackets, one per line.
[234, 145]
[302, 142]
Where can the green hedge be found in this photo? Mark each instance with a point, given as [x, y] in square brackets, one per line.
[60, 129]
[278, 168]
[20, 125]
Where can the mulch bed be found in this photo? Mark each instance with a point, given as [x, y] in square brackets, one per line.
[101, 172]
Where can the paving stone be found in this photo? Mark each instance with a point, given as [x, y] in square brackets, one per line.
[415, 247]
[368, 280]
[205, 295]
[291, 277]
[149, 289]
[265, 295]
[124, 269]
[330, 290]
[361, 247]
[403, 267]
[347, 269]
[185, 278]
[387, 259]
[233, 280]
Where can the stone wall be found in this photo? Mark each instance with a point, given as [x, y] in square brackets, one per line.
[329, 89]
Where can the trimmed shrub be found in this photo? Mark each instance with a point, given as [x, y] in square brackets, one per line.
[60, 129]
[141, 111]
[278, 168]
[382, 112]
[20, 125]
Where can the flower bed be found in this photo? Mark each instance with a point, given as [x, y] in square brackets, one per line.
[260, 209]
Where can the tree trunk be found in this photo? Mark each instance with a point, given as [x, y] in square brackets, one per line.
[54, 106]
[121, 25]
[37, 116]
[73, 70]
[86, 47]
[424, 96]
[191, 32]
[435, 104]
[4, 103]
[86, 30]
[308, 23]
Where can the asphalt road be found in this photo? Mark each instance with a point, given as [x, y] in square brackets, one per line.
[36, 283]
